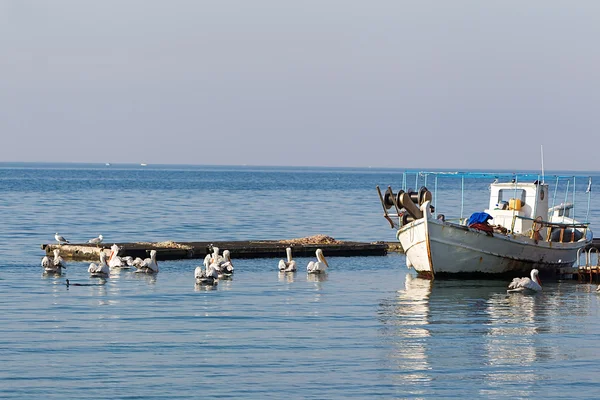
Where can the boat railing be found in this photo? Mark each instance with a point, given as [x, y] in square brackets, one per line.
[591, 266]
[566, 231]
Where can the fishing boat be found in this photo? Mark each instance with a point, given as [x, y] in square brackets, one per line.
[516, 233]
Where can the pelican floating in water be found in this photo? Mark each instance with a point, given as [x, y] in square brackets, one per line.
[60, 239]
[212, 258]
[318, 267]
[226, 266]
[524, 284]
[289, 265]
[149, 265]
[114, 261]
[101, 270]
[53, 265]
[96, 240]
[208, 277]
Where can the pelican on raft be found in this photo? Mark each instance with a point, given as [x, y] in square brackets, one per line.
[318, 267]
[101, 270]
[532, 284]
[149, 265]
[289, 265]
[53, 265]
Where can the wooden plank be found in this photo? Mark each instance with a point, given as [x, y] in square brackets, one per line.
[238, 249]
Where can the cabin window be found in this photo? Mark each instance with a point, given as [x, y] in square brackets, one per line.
[564, 212]
[504, 195]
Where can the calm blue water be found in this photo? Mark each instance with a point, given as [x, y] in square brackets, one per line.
[366, 330]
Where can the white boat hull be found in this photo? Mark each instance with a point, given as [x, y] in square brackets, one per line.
[436, 248]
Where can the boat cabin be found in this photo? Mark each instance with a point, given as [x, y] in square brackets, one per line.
[515, 206]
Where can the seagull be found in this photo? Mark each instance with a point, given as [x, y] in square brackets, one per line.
[526, 284]
[60, 239]
[101, 270]
[319, 266]
[289, 265]
[96, 240]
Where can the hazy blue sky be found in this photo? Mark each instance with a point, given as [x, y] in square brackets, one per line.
[419, 84]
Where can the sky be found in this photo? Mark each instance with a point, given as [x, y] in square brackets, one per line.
[384, 83]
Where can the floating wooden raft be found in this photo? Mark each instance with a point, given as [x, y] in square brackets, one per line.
[238, 249]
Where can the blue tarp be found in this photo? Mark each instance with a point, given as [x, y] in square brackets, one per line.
[479, 218]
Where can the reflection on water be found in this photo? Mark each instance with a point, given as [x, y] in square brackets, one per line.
[322, 277]
[198, 287]
[495, 337]
[410, 326]
[286, 276]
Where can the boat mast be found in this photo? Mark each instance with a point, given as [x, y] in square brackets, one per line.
[542, 149]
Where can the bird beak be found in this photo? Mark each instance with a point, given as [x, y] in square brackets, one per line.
[325, 261]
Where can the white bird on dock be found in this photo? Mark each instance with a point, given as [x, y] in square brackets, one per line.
[149, 265]
[96, 240]
[101, 270]
[289, 265]
[114, 261]
[318, 267]
[526, 284]
[60, 239]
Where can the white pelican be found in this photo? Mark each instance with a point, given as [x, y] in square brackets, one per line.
[213, 257]
[524, 284]
[138, 263]
[101, 270]
[319, 266]
[226, 266]
[96, 240]
[53, 265]
[114, 261]
[289, 265]
[208, 277]
[60, 239]
[149, 265]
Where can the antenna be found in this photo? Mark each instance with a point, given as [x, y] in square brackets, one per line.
[542, 149]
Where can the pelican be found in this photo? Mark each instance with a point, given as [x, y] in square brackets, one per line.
[96, 240]
[225, 267]
[53, 265]
[149, 265]
[289, 265]
[101, 270]
[208, 277]
[114, 261]
[319, 266]
[138, 263]
[212, 258]
[525, 284]
[60, 239]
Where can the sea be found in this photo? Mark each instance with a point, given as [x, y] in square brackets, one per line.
[367, 329]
